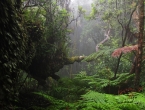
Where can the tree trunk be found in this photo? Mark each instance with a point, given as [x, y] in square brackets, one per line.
[140, 44]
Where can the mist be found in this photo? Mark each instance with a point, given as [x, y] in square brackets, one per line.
[82, 43]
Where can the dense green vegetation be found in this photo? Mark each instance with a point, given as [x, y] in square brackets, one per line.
[35, 44]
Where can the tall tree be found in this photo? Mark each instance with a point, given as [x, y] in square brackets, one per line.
[52, 50]
[140, 43]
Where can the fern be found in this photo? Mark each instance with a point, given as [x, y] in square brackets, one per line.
[55, 103]
[97, 83]
[121, 78]
[69, 89]
[128, 106]
[94, 56]
[98, 101]
[51, 99]
[94, 96]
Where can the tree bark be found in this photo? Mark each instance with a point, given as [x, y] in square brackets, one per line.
[140, 44]
[125, 32]
[104, 40]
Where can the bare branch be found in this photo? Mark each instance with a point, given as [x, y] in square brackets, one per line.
[104, 40]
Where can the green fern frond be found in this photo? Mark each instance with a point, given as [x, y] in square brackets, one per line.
[94, 56]
[93, 96]
[121, 78]
[99, 83]
[55, 103]
[49, 98]
[99, 101]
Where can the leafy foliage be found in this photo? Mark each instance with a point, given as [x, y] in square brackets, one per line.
[55, 103]
[42, 49]
[88, 98]
[98, 101]
[98, 83]
[52, 48]
[126, 49]
[105, 51]
[103, 61]
[68, 89]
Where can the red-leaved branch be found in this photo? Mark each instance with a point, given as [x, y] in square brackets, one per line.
[125, 49]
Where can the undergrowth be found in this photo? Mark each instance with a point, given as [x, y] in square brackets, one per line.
[98, 101]
[97, 83]
[68, 89]
[56, 104]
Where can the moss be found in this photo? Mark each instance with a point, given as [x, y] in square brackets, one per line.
[13, 43]
[71, 60]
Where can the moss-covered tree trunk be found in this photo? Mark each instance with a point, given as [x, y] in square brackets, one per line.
[12, 50]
